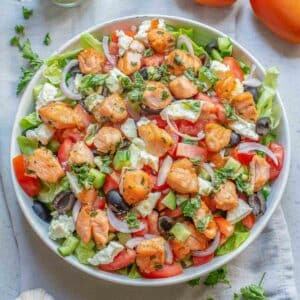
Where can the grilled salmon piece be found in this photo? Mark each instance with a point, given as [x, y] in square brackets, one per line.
[161, 41]
[91, 61]
[157, 140]
[182, 177]
[197, 240]
[225, 87]
[260, 172]
[45, 165]
[216, 137]
[81, 154]
[183, 88]
[226, 198]
[150, 254]
[130, 62]
[244, 106]
[108, 139]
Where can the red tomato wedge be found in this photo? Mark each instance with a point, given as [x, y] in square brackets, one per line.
[190, 128]
[166, 271]
[243, 158]
[64, 151]
[111, 182]
[278, 150]
[249, 221]
[70, 133]
[99, 203]
[122, 260]
[234, 67]
[30, 185]
[191, 151]
[198, 261]
[143, 231]
[159, 121]
[173, 213]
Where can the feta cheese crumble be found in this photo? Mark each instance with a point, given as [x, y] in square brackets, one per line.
[61, 227]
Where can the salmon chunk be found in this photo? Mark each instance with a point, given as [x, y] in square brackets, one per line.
[161, 41]
[183, 88]
[81, 154]
[226, 198]
[91, 61]
[260, 172]
[130, 62]
[216, 137]
[244, 106]
[108, 139]
[45, 165]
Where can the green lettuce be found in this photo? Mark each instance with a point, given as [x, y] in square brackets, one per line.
[239, 236]
[26, 145]
[50, 190]
[225, 46]
[89, 41]
[30, 121]
[53, 73]
[265, 104]
[85, 251]
[62, 58]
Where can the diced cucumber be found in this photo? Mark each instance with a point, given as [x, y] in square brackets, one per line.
[121, 159]
[225, 46]
[53, 145]
[99, 178]
[180, 231]
[85, 251]
[123, 237]
[216, 55]
[170, 200]
[68, 246]
[232, 165]
[134, 272]
[123, 271]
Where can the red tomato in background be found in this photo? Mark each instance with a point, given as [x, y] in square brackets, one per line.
[243, 158]
[166, 271]
[64, 151]
[234, 67]
[159, 121]
[281, 17]
[99, 203]
[143, 231]
[191, 151]
[153, 60]
[278, 150]
[122, 260]
[30, 185]
[70, 133]
[198, 261]
[190, 128]
[111, 182]
[249, 221]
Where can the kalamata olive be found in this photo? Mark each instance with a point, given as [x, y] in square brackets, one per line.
[205, 60]
[253, 90]
[64, 202]
[263, 126]
[165, 223]
[42, 211]
[257, 203]
[144, 73]
[235, 139]
[210, 46]
[116, 202]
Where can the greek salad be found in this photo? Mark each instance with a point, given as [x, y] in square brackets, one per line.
[147, 152]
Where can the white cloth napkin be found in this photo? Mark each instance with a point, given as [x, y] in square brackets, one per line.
[28, 262]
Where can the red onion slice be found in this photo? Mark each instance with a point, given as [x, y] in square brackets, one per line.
[132, 112]
[173, 126]
[132, 243]
[208, 168]
[250, 146]
[76, 210]
[63, 85]
[110, 58]
[183, 39]
[121, 226]
[164, 170]
[211, 249]
[169, 253]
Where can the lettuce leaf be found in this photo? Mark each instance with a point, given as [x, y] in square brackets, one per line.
[26, 145]
[265, 105]
[62, 58]
[89, 41]
[239, 236]
[30, 121]
[53, 73]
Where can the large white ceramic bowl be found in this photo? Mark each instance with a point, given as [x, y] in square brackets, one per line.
[207, 34]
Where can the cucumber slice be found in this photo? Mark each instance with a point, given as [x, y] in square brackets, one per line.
[68, 246]
[180, 232]
[170, 200]
[99, 178]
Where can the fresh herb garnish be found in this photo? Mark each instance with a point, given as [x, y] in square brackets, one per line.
[19, 29]
[27, 13]
[221, 176]
[47, 39]
[194, 282]
[229, 112]
[24, 79]
[164, 95]
[148, 52]
[217, 276]
[190, 206]
[207, 77]
[203, 222]
[103, 163]
[83, 176]
[15, 41]
[243, 186]
[91, 81]
[132, 220]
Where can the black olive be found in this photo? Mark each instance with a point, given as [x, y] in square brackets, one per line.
[263, 126]
[116, 202]
[150, 110]
[210, 46]
[64, 202]
[235, 139]
[205, 60]
[165, 223]
[252, 90]
[42, 211]
[144, 73]
[257, 203]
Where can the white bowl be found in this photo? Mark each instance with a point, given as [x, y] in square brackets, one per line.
[207, 33]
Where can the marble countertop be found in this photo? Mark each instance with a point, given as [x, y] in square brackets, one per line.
[245, 29]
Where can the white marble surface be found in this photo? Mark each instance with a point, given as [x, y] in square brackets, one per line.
[63, 24]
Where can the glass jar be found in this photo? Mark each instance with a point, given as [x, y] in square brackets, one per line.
[67, 3]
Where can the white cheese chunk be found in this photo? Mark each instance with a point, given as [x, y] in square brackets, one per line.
[46, 95]
[107, 254]
[145, 207]
[61, 227]
[183, 109]
[240, 212]
[142, 34]
[42, 133]
[92, 100]
[139, 157]
[113, 81]
[218, 68]
[244, 128]
[143, 121]
[129, 129]
[124, 41]
[205, 186]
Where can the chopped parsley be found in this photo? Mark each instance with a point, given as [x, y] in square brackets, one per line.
[194, 282]
[135, 88]
[164, 95]
[27, 13]
[203, 222]
[243, 186]
[91, 81]
[15, 41]
[24, 79]
[190, 206]
[207, 77]
[83, 176]
[229, 112]
[217, 276]
[148, 52]
[47, 39]
[190, 74]
[221, 176]
[19, 29]
[151, 88]
[132, 220]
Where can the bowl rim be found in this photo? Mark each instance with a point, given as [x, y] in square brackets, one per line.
[112, 277]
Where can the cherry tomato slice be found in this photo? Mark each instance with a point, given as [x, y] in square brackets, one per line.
[122, 260]
[166, 271]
